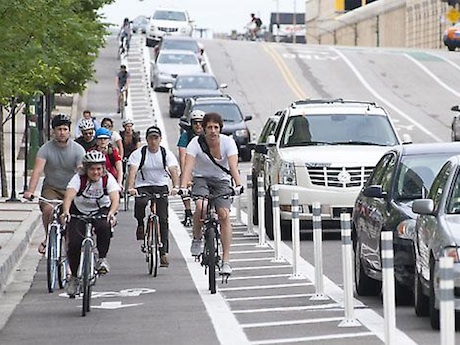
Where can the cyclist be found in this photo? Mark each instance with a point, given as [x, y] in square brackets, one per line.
[254, 26]
[86, 116]
[116, 141]
[59, 159]
[113, 160]
[213, 160]
[196, 123]
[87, 139]
[122, 84]
[131, 139]
[93, 191]
[125, 33]
[149, 170]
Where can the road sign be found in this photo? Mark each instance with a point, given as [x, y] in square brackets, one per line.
[453, 15]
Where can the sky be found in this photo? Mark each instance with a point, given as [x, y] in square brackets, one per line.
[216, 15]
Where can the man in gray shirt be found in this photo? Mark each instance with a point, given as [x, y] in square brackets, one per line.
[59, 159]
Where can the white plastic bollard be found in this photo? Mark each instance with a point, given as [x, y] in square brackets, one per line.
[318, 254]
[347, 268]
[261, 204]
[446, 301]
[295, 236]
[276, 222]
[250, 230]
[389, 308]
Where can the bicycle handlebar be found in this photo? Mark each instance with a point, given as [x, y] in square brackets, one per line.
[152, 195]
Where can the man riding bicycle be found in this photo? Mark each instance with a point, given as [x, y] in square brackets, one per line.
[150, 168]
[87, 139]
[93, 191]
[213, 159]
[59, 159]
[122, 84]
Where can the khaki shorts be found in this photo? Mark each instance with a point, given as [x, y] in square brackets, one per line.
[51, 193]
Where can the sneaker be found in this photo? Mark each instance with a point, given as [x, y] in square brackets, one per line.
[225, 269]
[164, 262]
[140, 233]
[187, 221]
[102, 266]
[126, 103]
[72, 286]
[118, 111]
[197, 247]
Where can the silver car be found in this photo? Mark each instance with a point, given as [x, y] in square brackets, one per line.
[437, 233]
[169, 64]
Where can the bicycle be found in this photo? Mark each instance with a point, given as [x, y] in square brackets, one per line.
[126, 194]
[56, 256]
[210, 257]
[122, 101]
[87, 273]
[152, 236]
[123, 47]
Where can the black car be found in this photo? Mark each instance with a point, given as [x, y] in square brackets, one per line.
[190, 85]
[234, 120]
[403, 174]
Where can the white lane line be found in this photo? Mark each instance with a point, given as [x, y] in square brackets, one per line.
[257, 298]
[252, 245]
[316, 338]
[453, 64]
[268, 250]
[260, 267]
[290, 322]
[296, 308]
[251, 259]
[261, 277]
[264, 287]
[388, 104]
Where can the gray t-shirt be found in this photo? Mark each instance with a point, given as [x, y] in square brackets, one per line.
[61, 162]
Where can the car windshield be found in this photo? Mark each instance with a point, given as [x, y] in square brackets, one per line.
[229, 112]
[416, 174]
[180, 45]
[333, 129]
[170, 15]
[177, 59]
[196, 82]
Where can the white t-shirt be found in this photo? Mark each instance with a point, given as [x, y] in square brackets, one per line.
[93, 198]
[153, 170]
[115, 137]
[204, 167]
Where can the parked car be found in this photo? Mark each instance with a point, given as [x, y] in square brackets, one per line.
[403, 174]
[451, 37]
[174, 22]
[189, 85]
[324, 150]
[169, 64]
[140, 24]
[180, 43]
[234, 120]
[437, 233]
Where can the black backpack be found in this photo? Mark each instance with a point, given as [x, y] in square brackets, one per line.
[258, 22]
[144, 153]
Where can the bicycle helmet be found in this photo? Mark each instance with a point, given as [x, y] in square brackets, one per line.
[59, 120]
[103, 133]
[127, 122]
[197, 115]
[93, 157]
[86, 124]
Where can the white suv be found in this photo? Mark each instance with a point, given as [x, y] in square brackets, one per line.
[324, 150]
[168, 22]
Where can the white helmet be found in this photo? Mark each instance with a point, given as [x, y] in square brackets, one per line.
[86, 124]
[197, 115]
[127, 122]
[93, 157]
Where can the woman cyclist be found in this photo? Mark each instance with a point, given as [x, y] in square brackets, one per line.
[92, 191]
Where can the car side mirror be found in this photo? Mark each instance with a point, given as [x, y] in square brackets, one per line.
[406, 139]
[374, 191]
[271, 140]
[423, 206]
[248, 117]
[261, 148]
[455, 108]
[223, 86]
[169, 85]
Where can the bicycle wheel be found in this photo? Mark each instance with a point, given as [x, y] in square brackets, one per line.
[148, 240]
[51, 258]
[63, 264]
[121, 104]
[211, 254]
[86, 277]
[155, 246]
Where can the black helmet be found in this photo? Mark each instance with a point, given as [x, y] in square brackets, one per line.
[60, 119]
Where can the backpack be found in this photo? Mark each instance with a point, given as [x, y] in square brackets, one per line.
[205, 148]
[258, 22]
[84, 182]
[144, 153]
[111, 156]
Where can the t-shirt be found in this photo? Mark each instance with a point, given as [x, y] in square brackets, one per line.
[77, 128]
[92, 198]
[204, 167]
[153, 170]
[122, 78]
[115, 137]
[87, 145]
[129, 148]
[185, 138]
[61, 162]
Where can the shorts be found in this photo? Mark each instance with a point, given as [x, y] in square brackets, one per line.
[205, 186]
[51, 193]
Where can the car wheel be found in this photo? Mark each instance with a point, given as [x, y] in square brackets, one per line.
[255, 200]
[434, 313]
[421, 304]
[268, 215]
[365, 286]
[245, 155]
[286, 230]
[451, 48]
[403, 294]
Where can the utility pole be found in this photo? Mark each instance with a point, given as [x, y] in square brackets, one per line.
[294, 23]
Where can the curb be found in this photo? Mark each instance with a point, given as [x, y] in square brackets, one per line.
[16, 247]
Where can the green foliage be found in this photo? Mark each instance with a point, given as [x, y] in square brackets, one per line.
[48, 45]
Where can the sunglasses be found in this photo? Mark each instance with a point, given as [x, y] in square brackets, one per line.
[107, 125]
[88, 133]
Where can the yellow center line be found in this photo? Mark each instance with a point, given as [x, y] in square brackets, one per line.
[285, 71]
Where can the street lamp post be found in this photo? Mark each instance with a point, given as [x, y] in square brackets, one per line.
[294, 23]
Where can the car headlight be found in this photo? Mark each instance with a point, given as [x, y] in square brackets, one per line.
[452, 252]
[241, 133]
[287, 174]
[406, 229]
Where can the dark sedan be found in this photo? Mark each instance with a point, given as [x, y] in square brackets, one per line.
[187, 86]
[402, 175]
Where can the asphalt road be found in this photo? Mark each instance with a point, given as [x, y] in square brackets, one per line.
[261, 303]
